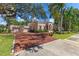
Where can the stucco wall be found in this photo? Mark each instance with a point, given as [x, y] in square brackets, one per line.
[42, 26]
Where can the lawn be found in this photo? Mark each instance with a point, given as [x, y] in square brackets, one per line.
[5, 44]
[63, 36]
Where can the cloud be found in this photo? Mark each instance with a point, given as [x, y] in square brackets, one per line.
[51, 20]
[18, 18]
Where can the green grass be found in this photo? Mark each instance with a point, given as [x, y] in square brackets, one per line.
[63, 36]
[5, 44]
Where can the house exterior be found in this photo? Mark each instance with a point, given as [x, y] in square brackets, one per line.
[26, 29]
[33, 26]
[45, 26]
[14, 28]
[37, 26]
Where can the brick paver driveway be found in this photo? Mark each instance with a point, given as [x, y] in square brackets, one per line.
[54, 48]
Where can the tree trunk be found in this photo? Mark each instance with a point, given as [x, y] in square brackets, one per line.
[69, 25]
[61, 22]
[59, 27]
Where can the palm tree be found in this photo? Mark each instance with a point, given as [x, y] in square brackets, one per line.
[30, 9]
[56, 11]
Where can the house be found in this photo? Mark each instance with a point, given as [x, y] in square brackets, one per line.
[14, 28]
[36, 25]
[33, 26]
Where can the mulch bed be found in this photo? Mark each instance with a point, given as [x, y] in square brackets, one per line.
[26, 40]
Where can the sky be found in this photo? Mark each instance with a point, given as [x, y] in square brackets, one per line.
[45, 7]
[75, 5]
[2, 21]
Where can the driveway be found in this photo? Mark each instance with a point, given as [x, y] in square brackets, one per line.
[54, 48]
[75, 38]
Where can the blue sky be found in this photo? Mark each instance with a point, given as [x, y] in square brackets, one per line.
[2, 21]
[45, 6]
[75, 5]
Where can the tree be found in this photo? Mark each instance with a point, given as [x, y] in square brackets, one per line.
[33, 10]
[71, 19]
[56, 11]
[8, 11]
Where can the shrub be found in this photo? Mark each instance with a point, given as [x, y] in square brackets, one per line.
[39, 31]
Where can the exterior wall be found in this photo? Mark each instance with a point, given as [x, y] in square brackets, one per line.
[14, 28]
[41, 26]
[26, 29]
[33, 26]
[48, 26]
